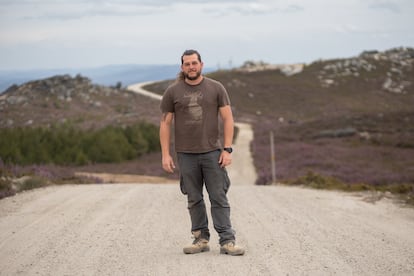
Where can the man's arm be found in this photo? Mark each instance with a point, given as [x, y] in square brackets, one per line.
[165, 135]
[228, 132]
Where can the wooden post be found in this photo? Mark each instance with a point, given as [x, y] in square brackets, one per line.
[272, 158]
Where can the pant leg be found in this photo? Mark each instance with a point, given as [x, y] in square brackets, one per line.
[191, 181]
[217, 184]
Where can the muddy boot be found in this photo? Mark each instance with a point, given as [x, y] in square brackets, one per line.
[199, 244]
[231, 249]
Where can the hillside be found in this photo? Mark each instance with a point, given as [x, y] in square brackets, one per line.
[75, 100]
[351, 119]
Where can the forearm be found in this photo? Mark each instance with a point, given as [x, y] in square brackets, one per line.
[228, 132]
[165, 134]
[228, 125]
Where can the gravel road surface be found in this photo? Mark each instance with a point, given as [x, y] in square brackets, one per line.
[139, 229]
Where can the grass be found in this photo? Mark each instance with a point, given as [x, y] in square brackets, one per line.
[404, 191]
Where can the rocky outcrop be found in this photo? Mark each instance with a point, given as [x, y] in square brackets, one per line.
[286, 69]
[63, 88]
[398, 62]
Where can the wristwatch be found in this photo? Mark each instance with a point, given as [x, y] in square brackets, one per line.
[229, 150]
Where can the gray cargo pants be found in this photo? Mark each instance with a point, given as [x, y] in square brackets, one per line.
[195, 170]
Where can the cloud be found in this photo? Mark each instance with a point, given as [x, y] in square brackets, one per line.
[346, 29]
[293, 8]
[251, 8]
[386, 5]
[77, 9]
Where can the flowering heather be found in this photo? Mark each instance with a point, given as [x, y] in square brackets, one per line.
[347, 159]
[39, 175]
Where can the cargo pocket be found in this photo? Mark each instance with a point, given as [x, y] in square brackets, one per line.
[226, 181]
[182, 188]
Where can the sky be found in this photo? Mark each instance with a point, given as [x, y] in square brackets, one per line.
[49, 34]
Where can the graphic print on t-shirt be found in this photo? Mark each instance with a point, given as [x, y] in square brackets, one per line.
[194, 108]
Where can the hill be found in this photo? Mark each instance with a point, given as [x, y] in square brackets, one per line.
[75, 100]
[350, 119]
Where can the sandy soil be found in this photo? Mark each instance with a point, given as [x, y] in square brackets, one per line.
[139, 229]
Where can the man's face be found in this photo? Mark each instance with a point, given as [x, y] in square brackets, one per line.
[191, 67]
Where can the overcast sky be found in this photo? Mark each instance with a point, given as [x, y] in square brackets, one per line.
[72, 33]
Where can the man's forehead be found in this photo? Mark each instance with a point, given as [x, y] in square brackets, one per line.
[190, 57]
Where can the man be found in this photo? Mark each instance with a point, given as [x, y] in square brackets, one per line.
[195, 102]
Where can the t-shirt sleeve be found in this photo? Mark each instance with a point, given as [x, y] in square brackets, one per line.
[223, 97]
[167, 102]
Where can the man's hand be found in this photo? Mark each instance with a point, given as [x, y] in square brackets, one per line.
[168, 164]
[225, 159]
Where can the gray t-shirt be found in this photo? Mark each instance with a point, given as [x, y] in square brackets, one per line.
[196, 109]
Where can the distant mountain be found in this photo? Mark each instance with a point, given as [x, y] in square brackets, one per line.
[109, 75]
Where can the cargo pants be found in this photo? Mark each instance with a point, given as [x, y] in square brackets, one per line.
[197, 169]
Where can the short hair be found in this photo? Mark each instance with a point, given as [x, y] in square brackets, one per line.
[189, 53]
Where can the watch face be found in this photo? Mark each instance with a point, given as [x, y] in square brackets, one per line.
[229, 150]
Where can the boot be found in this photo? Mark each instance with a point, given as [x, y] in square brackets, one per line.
[231, 249]
[199, 244]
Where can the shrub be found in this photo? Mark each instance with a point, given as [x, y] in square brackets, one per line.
[6, 187]
[33, 182]
[109, 145]
[318, 181]
[66, 145]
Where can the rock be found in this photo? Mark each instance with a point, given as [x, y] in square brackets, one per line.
[286, 69]
[401, 60]
[16, 100]
[364, 135]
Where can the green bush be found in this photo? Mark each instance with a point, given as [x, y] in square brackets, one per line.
[318, 181]
[109, 145]
[33, 183]
[66, 145]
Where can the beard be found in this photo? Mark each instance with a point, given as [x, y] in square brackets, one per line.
[197, 75]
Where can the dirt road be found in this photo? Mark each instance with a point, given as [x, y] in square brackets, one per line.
[139, 229]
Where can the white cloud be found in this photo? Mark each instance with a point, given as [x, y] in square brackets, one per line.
[391, 6]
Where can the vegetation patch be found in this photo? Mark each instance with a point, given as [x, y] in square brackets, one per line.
[67, 145]
[314, 180]
[16, 178]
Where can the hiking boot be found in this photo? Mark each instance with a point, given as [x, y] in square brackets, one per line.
[231, 249]
[199, 244]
